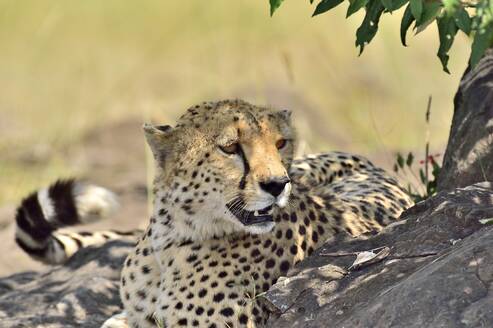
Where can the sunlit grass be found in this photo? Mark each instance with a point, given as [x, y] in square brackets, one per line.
[67, 67]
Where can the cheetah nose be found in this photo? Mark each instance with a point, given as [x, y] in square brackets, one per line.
[275, 186]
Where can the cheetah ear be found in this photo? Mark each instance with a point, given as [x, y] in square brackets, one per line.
[285, 114]
[157, 137]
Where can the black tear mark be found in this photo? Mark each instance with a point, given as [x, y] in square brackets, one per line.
[164, 128]
[247, 168]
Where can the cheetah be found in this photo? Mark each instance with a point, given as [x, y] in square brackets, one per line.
[233, 211]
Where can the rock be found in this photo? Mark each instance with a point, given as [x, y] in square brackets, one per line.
[469, 155]
[439, 272]
[82, 293]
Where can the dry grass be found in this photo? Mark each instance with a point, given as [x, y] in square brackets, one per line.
[67, 67]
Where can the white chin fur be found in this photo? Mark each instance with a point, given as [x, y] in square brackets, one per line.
[258, 229]
[282, 200]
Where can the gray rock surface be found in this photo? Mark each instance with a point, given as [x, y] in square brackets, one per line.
[438, 273]
[82, 293]
[469, 155]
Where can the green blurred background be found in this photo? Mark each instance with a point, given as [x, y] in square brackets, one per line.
[72, 69]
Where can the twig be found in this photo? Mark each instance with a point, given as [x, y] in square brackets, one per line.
[427, 149]
[411, 256]
[340, 254]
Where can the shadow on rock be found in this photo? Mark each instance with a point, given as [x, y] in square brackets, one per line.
[82, 293]
[437, 273]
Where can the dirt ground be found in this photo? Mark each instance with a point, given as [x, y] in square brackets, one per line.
[116, 156]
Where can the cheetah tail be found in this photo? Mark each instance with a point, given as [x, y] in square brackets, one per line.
[64, 203]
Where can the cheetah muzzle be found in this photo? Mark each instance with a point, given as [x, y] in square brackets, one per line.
[248, 218]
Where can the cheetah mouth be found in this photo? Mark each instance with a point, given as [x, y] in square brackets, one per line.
[247, 217]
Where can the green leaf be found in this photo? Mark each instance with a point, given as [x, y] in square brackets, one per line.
[436, 168]
[446, 32]
[369, 26]
[431, 188]
[274, 4]
[430, 12]
[463, 21]
[435, 172]
[407, 20]
[391, 5]
[400, 160]
[409, 160]
[388, 4]
[482, 40]
[451, 6]
[355, 5]
[326, 5]
[422, 176]
[396, 168]
[416, 8]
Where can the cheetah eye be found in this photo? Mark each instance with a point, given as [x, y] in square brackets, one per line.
[230, 149]
[281, 143]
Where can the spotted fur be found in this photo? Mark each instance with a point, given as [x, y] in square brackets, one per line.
[198, 264]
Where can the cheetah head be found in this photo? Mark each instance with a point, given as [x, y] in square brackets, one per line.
[224, 166]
